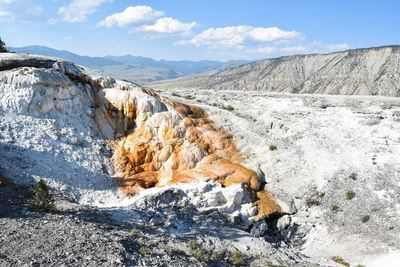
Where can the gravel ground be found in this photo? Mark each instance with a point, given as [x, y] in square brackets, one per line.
[84, 237]
[77, 235]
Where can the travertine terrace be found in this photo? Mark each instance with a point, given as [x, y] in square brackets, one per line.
[154, 141]
[157, 142]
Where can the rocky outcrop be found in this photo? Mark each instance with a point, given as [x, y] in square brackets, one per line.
[370, 71]
[158, 142]
[154, 141]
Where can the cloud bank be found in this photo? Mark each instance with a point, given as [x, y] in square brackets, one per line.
[131, 15]
[236, 36]
[168, 25]
[146, 19]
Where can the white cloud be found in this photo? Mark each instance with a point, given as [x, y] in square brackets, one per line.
[131, 15]
[78, 10]
[336, 47]
[68, 38]
[167, 25]
[6, 1]
[234, 36]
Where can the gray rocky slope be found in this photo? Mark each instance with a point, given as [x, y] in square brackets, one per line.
[370, 71]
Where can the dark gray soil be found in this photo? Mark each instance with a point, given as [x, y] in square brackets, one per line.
[86, 237]
[77, 235]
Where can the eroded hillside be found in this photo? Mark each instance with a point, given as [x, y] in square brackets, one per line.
[370, 71]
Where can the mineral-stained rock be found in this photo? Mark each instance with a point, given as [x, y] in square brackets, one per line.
[154, 141]
[267, 206]
[160, 142]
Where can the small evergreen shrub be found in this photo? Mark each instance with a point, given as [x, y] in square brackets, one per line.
[229, 108]
[193, 245]
[365, 218]
[316, 199]
[272, 147]
[239, 115]
[42, 199]
[312, 202]
[237, 258]
[353, 176]
[335, 208]
[170, 250]
[203, 254]
[134, 232]
[340, 261]
[350, 194]
[144, 250]
[3, 48]
[198, 252]
[188, 97]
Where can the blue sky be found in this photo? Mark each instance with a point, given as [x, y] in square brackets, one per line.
[201, 29]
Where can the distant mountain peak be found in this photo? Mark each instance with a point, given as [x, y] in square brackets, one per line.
[128, 67]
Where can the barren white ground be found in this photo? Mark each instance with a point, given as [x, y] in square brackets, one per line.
[321, 140]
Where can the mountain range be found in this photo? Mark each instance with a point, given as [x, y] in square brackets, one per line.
[367, 71]
[134, 68]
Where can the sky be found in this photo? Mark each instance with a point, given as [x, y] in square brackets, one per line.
[200, 29]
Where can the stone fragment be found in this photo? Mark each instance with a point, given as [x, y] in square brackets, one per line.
[283, 222]
[259, 228]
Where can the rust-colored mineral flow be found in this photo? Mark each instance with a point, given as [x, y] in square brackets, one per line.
[157, 141]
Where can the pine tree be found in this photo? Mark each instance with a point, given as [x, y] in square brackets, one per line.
[42, 200]
[2, 47]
